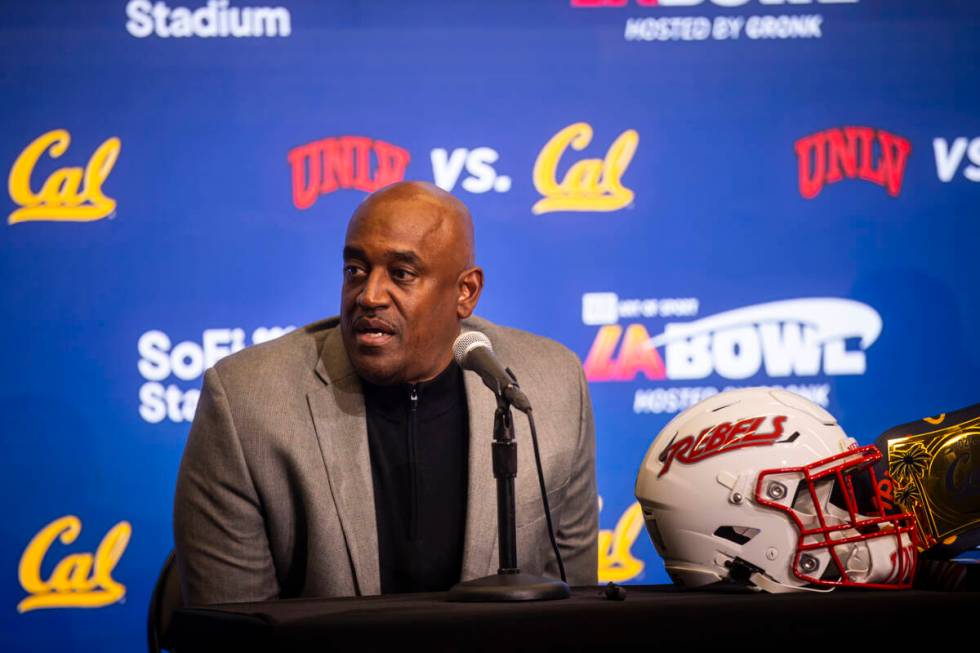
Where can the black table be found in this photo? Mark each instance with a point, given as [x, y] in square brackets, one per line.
[653, 616]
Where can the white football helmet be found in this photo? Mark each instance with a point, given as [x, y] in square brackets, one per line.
[762, 487]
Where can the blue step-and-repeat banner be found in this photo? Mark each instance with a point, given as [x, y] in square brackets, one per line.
[692, 195]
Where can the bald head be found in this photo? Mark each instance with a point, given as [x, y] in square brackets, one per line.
[442, 215]
[409, 279]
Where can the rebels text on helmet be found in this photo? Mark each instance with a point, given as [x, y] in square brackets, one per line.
[721, 438]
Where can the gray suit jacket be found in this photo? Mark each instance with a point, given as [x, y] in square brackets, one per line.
[275, 498]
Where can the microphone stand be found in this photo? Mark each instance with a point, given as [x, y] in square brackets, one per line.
[509, 583]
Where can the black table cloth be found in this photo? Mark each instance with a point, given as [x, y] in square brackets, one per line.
[654, 616]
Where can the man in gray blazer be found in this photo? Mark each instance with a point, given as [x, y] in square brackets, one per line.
[276, 492]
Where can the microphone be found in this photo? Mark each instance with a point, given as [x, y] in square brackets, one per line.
[472, 351]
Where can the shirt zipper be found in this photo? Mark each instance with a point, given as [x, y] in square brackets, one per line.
[412, 462]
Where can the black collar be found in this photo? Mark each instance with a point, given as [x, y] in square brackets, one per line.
[432, 397]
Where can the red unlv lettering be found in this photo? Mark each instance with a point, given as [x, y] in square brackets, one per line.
[886, 492]
[849, 152]
[721, 438]
[323, 166]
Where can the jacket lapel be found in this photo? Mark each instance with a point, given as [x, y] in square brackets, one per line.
[341, 430]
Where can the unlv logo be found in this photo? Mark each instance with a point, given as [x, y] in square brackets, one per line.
[853, 153]
[722, 438]
[357, 162]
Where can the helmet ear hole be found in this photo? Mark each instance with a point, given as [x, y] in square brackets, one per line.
[738, 534]
[658, 539]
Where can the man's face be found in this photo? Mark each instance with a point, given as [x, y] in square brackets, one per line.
[401, 300]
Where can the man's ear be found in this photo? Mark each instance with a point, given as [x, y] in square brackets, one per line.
[470, 286]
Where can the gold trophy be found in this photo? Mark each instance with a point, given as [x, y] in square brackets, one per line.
[933, 472]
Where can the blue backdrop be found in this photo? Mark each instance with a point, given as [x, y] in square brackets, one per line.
[690, 194]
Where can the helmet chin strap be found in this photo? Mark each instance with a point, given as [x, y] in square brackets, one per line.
[745, 573]
[763, 582]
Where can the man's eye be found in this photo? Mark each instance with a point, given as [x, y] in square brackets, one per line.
[351, 271]
[401, 274]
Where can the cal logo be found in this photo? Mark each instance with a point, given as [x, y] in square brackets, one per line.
[70, 194]
[590, 184]
[617, 564]
[79, 580]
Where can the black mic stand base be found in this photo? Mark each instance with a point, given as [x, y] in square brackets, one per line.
[509, 587]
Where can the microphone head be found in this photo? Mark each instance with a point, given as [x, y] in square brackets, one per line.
[467, 342]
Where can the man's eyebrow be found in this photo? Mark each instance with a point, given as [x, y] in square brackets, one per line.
[393, 255]
[353, 252]
[404, 256]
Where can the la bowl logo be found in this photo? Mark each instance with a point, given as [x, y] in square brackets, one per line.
[589, 184]
[69, 194]
[796, 337]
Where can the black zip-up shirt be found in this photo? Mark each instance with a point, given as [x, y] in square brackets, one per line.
[419, 440]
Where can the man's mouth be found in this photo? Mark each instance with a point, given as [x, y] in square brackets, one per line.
[373, 332]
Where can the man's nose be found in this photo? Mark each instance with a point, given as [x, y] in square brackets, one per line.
[374, 293]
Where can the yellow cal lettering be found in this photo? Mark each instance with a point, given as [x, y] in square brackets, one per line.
[79, 580]
[72, 574]
[110, 550]
[590, 184]
[616, 561]
[19, 182]
[67, 528]
[68, 194]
